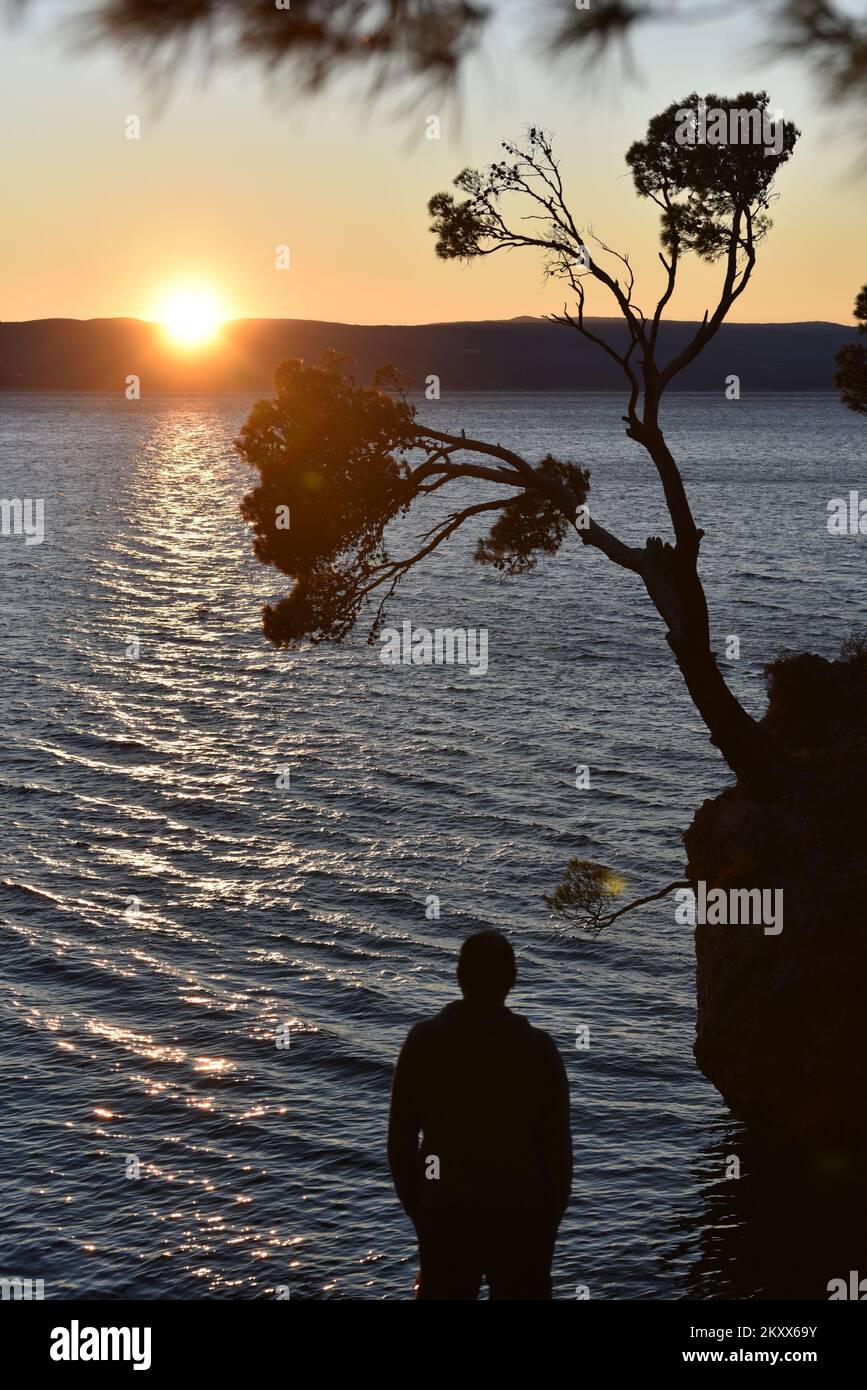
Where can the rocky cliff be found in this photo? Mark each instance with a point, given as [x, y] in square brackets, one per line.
[782, 1019]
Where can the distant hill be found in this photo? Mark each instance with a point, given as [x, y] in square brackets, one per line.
[521, 354]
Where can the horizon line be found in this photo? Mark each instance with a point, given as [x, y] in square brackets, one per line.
[526, 319]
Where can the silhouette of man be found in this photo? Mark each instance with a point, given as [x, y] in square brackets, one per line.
[487, 1185]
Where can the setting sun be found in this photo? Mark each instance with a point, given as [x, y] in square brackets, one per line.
[190, 317]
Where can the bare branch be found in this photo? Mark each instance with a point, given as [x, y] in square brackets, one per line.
[734, 284]
[396, 568]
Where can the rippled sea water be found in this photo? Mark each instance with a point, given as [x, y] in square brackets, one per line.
[165, 907]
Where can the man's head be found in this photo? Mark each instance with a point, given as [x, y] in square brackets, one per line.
[486, 967]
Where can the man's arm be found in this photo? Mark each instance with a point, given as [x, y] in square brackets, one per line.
[557, 1132]
[404, 1123]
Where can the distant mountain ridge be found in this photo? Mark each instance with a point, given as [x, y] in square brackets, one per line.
[522, 354]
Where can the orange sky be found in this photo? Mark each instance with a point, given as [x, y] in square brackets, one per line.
[99, 225]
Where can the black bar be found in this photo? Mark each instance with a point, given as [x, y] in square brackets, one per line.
[246, 1337]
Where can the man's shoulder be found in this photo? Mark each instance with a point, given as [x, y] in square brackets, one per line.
[420, 1031]
[426, 1029]
[511, 1026]
[541, 1042]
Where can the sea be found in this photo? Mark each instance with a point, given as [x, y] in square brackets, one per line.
[232, 878]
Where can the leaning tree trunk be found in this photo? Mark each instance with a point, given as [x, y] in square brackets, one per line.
[671, 578]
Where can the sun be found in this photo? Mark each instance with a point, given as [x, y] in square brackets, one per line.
[190, 317]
